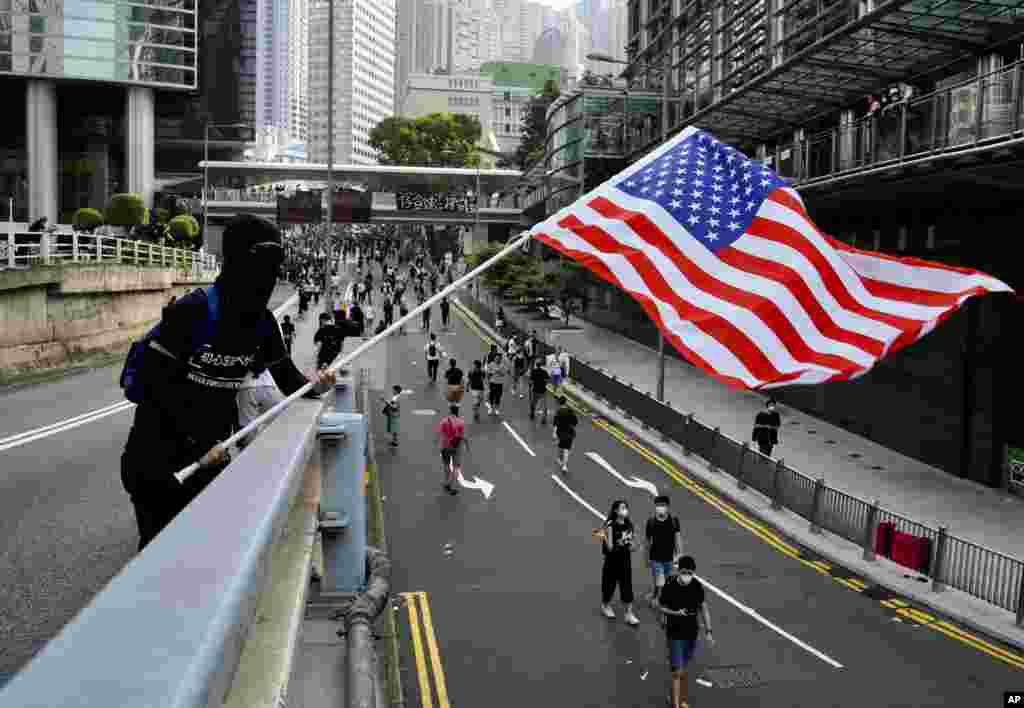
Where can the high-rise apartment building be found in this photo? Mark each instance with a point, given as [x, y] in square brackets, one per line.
[364, 76]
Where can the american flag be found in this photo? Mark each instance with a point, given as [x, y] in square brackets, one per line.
[724, 258]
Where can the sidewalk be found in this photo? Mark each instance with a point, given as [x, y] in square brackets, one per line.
[988, 517]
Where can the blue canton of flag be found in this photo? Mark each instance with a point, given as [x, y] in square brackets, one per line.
[709, 188]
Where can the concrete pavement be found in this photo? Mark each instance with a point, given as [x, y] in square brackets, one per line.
[505, 591]
[66, 524]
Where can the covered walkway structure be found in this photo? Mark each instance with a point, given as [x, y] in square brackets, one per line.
[233, 189]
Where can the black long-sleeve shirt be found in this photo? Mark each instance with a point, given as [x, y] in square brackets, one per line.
[191, 388]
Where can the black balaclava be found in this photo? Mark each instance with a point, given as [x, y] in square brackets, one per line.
[252, 260]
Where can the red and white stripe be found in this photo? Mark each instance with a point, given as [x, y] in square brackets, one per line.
[784, 304]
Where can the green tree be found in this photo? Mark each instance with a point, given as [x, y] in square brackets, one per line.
[437, 139]
[86, 219]
[535, 132]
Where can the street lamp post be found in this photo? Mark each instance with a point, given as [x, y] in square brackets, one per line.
[665, 95]
[206, 166]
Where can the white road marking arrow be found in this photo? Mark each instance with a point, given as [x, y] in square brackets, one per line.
[482, 484]
[635, 482]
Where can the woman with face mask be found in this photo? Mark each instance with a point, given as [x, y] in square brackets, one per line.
[682, 602]
[617, 546]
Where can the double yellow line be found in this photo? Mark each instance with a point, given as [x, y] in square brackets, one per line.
[903, 609]
[425, 635]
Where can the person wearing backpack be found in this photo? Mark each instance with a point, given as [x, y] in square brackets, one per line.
[664, 545]
[186, 372]
[433, 353]
[453, 376]
[451, 437]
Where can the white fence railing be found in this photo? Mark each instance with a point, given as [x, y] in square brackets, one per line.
[22, 249]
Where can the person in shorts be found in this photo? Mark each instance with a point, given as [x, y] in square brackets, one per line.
[453, 376]
[476, 387]
[664, 545]
[564, 424]
[683, 603]
[451, 433]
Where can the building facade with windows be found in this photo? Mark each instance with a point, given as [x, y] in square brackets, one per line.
[515, 84]
[468, 94]
[82, 79]
[899, 123]
[364, 77]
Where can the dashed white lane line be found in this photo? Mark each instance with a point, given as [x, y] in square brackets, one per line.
[749, 611]
[516, 436]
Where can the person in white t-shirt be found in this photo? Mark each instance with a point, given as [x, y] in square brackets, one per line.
[256, 396]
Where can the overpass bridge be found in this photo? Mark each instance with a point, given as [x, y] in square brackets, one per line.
[383, 181]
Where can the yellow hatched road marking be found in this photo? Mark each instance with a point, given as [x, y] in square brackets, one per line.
[435, 655]
[417, 649]
[858, 582]
[847, 583]
[896, 602]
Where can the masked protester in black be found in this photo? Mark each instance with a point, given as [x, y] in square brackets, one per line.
[189, 403]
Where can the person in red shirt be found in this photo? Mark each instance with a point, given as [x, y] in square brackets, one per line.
[451, 437]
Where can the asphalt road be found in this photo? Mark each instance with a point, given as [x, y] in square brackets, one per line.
[66, 524]
[513, 607]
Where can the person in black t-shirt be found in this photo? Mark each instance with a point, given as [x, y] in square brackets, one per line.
[664, 544]
[539, 390]
[454, 378]
[446, 308]
[766, 429]
[191, 387]
[683, 603]
[617, 545]
[476, 387]
[564, 425]
[389, 311]
[288, 331]
[331, 338]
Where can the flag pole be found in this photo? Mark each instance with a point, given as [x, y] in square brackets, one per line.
[187, 472]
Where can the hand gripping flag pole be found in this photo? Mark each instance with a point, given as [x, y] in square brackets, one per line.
[187, 472]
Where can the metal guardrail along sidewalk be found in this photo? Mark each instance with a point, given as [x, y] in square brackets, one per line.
[28, 249]
[974, 569]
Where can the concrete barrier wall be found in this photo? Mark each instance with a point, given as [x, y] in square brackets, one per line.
[49, 316]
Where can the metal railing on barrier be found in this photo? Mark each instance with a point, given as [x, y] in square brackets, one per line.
[974, 569]
[28, 249]
[170, 629]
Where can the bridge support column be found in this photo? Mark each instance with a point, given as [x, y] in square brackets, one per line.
[476, 240]
[213, 239]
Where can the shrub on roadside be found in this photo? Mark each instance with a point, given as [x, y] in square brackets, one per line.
[87, 219]
[127, 210]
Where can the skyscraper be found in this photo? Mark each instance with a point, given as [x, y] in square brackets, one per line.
[282, 68]
[364, 76]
